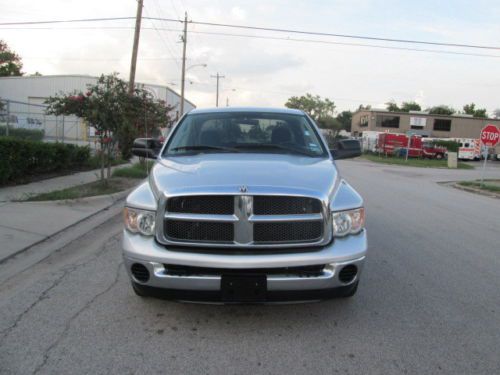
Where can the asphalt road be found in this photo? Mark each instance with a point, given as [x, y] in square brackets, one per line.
[428, 303]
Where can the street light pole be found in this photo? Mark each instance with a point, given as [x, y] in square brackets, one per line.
[218, 76]
[183, 79]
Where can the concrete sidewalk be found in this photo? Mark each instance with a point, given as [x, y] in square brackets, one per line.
[20, 192]
[24, 224]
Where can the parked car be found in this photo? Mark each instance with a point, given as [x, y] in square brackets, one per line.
[245, 205]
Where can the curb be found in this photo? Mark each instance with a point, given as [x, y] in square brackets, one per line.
[115, 198]
[454, 184]
[477, 191]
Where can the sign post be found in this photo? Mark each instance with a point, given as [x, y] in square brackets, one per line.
[490, 136]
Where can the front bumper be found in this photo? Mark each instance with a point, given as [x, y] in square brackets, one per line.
[350, 250]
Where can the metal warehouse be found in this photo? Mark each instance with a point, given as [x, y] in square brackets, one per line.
[25, 96]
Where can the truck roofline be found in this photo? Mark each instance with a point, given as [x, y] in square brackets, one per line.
[289, 111]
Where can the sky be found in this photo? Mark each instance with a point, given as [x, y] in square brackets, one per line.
[265, 72]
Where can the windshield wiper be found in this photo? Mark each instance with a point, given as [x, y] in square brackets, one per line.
[274, 146]
[204, 148]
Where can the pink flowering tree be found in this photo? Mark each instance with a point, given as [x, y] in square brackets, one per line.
[117, 116]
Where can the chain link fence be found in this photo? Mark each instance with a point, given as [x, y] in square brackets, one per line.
[21, 115]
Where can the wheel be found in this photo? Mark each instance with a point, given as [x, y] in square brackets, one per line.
[351, 291]
[439, 156]
[138, 290]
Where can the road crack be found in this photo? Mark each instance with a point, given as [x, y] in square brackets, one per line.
[68, 324]
[65, 272]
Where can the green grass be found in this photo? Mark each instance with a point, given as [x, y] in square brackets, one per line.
[91, 189]
[489, 185]
[412, 162]
[137, 170]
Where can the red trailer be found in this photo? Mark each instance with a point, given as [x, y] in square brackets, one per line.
[418, 147]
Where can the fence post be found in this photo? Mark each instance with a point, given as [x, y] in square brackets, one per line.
[8, 119]
[63, 130]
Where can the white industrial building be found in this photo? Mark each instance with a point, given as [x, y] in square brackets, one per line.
[26, 95]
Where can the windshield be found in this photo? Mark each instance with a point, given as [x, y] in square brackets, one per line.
[254, 132]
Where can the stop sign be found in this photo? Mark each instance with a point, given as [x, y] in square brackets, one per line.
[490, 135]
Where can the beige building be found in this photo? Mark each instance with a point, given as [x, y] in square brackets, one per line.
[437, 126]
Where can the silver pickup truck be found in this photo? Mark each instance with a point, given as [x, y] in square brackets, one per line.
[244, 205]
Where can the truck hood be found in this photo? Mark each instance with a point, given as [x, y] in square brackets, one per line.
[257, 173]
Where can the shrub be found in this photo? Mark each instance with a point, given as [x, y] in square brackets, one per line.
[29, 134]
[20, 159]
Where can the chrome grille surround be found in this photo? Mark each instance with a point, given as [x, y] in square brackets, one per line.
[244, 218]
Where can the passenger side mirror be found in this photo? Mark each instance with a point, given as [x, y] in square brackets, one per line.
[345, 149]
[146, 148]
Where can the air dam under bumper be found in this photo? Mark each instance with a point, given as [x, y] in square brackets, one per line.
[350, 250]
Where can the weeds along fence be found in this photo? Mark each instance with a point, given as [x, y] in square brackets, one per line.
[16, 116]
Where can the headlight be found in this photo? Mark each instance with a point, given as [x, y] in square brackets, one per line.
[139, 221]
[348, 222]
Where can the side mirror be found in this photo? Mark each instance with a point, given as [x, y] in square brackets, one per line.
[146, 148]
[345, 149]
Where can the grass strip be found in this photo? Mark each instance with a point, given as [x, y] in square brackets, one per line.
[413, 162]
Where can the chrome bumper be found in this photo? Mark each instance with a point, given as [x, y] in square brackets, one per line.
[146, 251]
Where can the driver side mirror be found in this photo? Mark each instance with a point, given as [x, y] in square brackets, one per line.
[345, 149]
[146, 148]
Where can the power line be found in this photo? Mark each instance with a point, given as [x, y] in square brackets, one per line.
[163, 40]
[258, 28]
[66, 21]
[268, 37]
[346, 44]
[410, 41]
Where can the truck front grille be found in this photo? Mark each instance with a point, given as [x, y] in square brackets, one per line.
[184, 230]
[216, 204]
[296, 231]
[243, 220]
[270, 205]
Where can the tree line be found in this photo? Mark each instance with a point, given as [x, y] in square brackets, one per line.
[467, 109]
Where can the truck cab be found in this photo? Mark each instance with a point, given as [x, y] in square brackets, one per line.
[245, 205]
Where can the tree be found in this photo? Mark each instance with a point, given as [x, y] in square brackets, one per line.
[410, 106]
[470, 109]
[345, 119]
[315, 106]
[331, 124]
[116, 115]
[367, 107]
[441, 110]
[10, 62]
[405, 106]
[392, 106]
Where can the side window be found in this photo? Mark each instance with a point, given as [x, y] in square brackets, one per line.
[442, 125]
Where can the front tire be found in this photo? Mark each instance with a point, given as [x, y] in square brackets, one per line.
[351, 291]
[138, 290]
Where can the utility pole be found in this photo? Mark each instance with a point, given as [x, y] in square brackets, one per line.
[218, 76]
[184, 43]
[135, 48]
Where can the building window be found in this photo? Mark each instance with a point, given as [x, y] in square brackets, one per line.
[363, 121]
[388, 121]
[442, 125]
